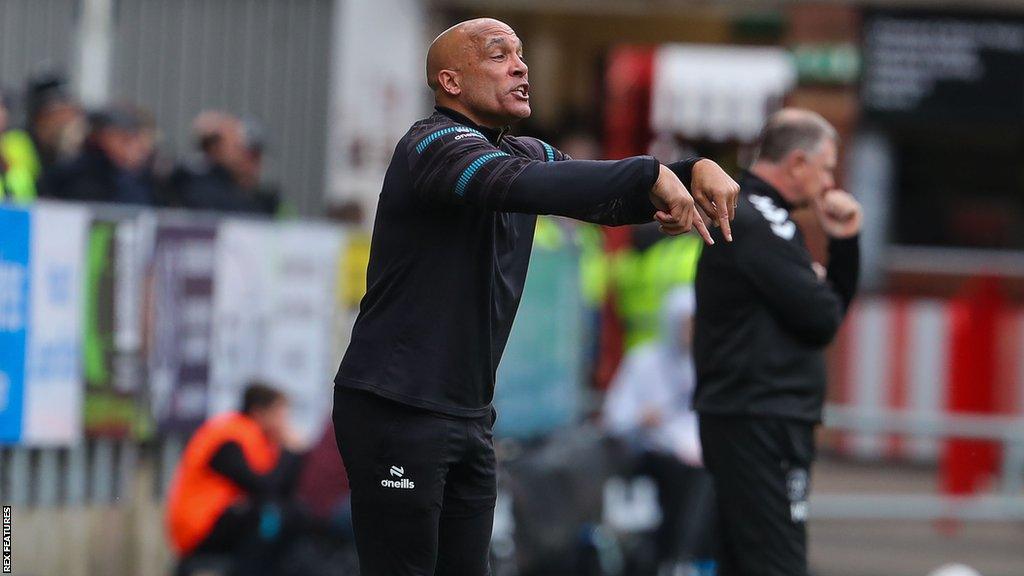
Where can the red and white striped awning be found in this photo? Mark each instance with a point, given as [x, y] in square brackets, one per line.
[718, 92]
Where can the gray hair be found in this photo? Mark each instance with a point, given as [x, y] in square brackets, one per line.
[792, 129]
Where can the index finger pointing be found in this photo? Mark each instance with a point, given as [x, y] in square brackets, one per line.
[702, 229]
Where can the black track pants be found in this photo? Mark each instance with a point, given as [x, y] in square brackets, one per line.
[761, 470]
[423, 486]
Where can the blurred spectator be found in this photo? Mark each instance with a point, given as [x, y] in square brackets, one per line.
[227, 177]
[232, 491]
[648, 405]
[56, 127]
[112, 166]
[643, 274]
[16, 181]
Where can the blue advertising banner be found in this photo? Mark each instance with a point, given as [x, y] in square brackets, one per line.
[14, 289]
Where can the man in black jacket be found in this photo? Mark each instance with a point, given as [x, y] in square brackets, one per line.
[226, 178]
[765, 311]
[451, 244]
[112, 164]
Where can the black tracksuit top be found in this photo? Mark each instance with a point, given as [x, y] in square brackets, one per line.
[763, 317]
[450, 249]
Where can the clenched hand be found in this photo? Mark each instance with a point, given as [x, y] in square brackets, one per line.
[839, 214]
[676, 211]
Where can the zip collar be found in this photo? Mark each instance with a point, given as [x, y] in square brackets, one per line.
[494, 136]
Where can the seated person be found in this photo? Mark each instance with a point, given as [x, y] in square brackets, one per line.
[232, 491]
[648, 405]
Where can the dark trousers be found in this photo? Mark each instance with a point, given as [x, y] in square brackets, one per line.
[423, 486]
[253, 538]
[686, 499]
[761, 469]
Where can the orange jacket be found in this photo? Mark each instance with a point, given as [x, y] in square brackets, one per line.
[199, 495]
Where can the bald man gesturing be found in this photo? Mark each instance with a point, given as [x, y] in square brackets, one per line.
[448, 260]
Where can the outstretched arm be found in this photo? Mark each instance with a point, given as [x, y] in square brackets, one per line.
[630, 191]
[463, 167]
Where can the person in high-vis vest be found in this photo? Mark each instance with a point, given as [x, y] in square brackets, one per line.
[231, 492]
[644, 274]
[17, 184]
[55, 130]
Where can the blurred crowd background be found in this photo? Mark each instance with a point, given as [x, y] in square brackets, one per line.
[187, 189]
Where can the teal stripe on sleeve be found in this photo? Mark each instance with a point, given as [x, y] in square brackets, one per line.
[548, 151]
[467, 174]
[437, 134]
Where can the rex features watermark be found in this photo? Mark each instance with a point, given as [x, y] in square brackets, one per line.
[8, 537]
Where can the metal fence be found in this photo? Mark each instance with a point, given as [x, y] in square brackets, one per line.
[1007, 504]
[265, 59]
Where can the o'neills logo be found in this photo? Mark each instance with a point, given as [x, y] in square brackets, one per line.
[404, 483]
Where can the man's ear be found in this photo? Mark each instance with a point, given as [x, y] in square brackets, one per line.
[450, 82]
[796, 162]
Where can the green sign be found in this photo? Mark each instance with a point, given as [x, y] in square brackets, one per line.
[827, 63]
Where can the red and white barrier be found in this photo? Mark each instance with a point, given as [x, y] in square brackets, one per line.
[898, 354]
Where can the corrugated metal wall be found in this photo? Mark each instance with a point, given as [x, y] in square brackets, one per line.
[263, 58]
[268, 59]
[35, 35]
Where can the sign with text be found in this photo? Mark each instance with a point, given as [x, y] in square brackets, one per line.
[936, 65]
[181, 300]
[112, 357]
[41, 273]
[274, 309]
[14, 282]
